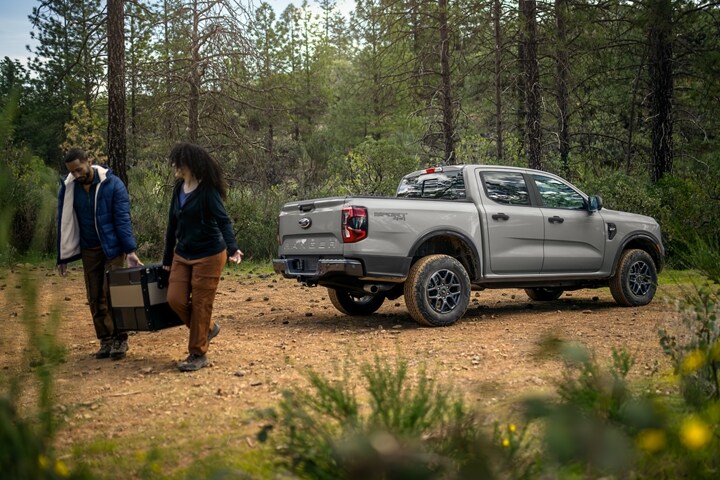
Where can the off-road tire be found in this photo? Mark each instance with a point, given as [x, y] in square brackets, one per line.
[437, 291]
[635, 280]
[353, 304]
[544, 294]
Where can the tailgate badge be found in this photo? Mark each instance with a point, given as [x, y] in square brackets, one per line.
[305, 222]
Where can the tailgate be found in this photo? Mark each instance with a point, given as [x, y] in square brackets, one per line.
[311, 227]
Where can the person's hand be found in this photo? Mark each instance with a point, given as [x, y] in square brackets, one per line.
[236, 257]
[62, 269]
[133, 260]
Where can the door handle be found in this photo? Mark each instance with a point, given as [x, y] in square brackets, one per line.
[500, 216]
[556, 219]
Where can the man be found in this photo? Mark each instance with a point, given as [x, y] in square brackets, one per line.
[94, 226]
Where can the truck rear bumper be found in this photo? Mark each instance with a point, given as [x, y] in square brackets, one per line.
[313, 269]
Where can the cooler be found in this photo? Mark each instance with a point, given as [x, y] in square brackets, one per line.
[138, 299]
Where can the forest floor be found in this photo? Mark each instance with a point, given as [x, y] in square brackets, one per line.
[273, 330]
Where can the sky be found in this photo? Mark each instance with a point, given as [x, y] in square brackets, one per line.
[15, 26]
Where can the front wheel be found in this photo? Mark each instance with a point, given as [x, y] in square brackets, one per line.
[543, 294]
[635, 280]
[437, 291]
[354, 304]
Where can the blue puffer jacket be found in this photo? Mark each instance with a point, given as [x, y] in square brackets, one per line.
[112, 218]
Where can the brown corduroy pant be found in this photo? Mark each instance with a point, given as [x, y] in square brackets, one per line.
[191, 293]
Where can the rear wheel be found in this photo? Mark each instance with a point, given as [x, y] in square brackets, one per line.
[437, 291]
[543, 294]
[635, 280]
[354, 304]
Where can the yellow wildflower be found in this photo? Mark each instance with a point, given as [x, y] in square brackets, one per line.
[695, 433]
[61, 469]
[693, 361]
[505, 442]
[651, 440]
[512, 428]
[43, 461]
[715, 351]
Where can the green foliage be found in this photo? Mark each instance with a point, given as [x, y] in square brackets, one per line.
[694, 346]
[482, 150]
[374, 167]
[254, 214]
[27, 195]
[598, 426]
[702, 254]
[84, 130]
[411, 428]
[689, 216]
[150, 192]
[620, 191]
[588, 427]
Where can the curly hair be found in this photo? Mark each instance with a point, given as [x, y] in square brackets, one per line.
[201, 164]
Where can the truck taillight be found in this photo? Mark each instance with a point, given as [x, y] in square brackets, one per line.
[354, 224]
[433, 170]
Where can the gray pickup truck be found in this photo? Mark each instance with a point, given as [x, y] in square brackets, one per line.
[450, 230]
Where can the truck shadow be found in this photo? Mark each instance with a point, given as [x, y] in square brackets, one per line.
[395, 315]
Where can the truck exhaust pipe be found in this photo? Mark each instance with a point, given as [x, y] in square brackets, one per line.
[375, 288]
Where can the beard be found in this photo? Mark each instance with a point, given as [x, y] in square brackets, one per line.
[85, 179]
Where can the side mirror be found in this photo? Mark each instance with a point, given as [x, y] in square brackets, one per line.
[595, 203]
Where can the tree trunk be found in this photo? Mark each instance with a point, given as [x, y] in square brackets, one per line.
[448, 116]
[194, 79]
[133, 89]
[661, 82]
[116, 88]
[531, 73]
[562, 79]
[497, 13]
[521, 112]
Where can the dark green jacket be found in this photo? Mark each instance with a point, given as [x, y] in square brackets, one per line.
[199, 229]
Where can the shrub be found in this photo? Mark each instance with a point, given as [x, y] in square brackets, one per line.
[694, 347]
[410, 428]
[374, 167]
[27, 197]
[150, 192]
[254, 213]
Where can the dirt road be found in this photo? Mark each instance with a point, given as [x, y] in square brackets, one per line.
[273, 329]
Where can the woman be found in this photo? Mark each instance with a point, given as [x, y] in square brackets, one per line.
[198, 242]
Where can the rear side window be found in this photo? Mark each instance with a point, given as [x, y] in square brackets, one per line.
[506, 188]
[438, 185]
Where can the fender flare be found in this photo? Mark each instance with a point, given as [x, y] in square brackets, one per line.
[657, 255]
[475, 260]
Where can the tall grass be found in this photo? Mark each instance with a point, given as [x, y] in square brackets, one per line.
[391, 424]
[409, 428]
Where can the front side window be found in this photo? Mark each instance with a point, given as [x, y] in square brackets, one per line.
[507, 188]
[556, 194]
